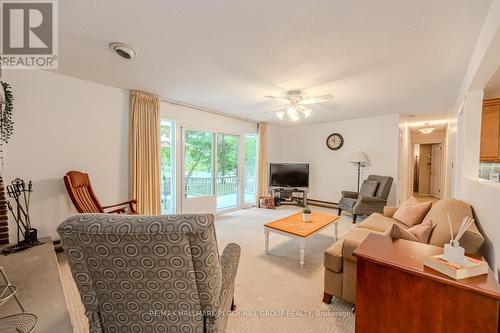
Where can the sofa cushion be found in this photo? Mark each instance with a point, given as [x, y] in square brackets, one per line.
[333, 256]
[411, 212]
[347, 202]
[368, 188]
[389, 211]
[377, 222]
[353, 239]
[471, 241]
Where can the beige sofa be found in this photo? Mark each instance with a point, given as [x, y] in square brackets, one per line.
[340, 264]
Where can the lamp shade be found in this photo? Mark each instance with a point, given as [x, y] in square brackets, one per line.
[359, 157]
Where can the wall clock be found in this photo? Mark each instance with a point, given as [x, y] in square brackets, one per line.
[335, 141]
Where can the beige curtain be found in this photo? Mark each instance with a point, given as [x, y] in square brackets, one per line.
[144, 152]
[262, 169]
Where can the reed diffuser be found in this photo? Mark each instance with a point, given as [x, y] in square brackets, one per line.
[453, 251]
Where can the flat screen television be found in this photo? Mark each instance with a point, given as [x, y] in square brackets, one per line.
[289, 175]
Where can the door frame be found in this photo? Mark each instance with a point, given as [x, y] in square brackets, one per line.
[174, 163]
[442, 166]
[436, 170]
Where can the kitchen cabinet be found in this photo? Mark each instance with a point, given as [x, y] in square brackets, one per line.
[490, 131]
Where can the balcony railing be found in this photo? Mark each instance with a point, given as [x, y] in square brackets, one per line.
[200, 186]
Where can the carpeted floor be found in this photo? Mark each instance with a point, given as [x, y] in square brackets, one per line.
[273, 294]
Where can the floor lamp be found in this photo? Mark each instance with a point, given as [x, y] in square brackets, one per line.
[360, 159]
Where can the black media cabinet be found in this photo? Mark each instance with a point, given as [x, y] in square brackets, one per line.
[289, 196]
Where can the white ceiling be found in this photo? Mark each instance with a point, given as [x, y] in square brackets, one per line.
[375, 57]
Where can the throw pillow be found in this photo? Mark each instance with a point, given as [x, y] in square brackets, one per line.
[419, 233]
[368, 188]
[397, 232]
[422, 231]
[412, 212]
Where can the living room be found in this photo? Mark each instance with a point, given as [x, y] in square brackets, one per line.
[314, 148]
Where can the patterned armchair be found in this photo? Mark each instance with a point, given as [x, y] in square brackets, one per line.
[150, 273]
[372, 197]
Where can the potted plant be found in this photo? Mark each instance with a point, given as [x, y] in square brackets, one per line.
[306, 214]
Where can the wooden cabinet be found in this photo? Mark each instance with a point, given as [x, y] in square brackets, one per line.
[396, 293]
[490, 131]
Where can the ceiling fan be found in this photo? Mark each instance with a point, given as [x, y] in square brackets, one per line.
[296, 104]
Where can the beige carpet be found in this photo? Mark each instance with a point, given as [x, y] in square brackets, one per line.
[273, 294]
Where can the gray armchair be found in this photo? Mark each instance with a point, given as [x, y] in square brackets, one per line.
[371, 198]
[150, 273]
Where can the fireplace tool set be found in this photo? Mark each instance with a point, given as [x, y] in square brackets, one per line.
[20, 192]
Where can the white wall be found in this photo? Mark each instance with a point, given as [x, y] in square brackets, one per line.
[61, 124]
[464, 137]
[330, 171]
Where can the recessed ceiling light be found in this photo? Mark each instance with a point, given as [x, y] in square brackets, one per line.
[427, 129]
[123, 50]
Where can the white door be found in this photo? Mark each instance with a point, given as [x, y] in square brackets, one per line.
[437, 155]
[198, 171]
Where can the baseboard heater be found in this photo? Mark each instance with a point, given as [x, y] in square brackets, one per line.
[322, 203]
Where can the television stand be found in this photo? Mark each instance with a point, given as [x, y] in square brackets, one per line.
[289, 196]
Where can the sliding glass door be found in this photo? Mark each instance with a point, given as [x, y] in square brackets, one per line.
[218, 170]
[227, 171]
[167, 160]
[198, 164]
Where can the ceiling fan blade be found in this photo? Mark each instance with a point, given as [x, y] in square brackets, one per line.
[317, 99]
[280, 108]
[281, 99]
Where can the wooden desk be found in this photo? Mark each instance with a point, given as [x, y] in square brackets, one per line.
[396, 293]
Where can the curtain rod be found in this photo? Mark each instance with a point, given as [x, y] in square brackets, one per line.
[200, 108]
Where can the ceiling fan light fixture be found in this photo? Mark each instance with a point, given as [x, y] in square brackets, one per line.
[296, 108]
[291, 111]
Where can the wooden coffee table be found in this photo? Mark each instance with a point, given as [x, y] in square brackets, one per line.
[293, 226]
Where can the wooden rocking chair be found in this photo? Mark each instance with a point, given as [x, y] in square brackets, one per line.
[84, 199]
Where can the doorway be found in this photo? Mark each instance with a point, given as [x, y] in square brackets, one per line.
[427, 174]
[217, 170]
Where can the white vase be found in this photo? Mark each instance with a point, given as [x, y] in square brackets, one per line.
[454, 252]
[306, 217]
